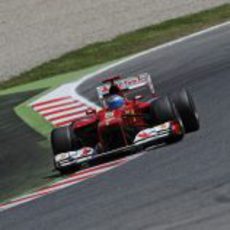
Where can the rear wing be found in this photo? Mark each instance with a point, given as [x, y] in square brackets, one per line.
[126, 84]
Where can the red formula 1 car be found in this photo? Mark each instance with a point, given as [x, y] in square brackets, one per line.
[133, 117]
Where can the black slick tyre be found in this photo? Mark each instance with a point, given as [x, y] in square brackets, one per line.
[63, 140]
[186, 108]
[162, 110]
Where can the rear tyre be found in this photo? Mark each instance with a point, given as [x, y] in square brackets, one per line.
[185, 106]
[63, 140]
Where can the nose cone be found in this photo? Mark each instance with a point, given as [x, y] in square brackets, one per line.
[111, 132]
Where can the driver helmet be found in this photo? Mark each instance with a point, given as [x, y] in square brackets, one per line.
[115, 102]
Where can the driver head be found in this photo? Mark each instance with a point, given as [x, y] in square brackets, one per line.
[115, 102]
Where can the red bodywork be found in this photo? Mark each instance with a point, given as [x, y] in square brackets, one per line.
[113, 129]
[107, 126]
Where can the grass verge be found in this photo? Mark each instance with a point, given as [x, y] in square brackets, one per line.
[123, 45]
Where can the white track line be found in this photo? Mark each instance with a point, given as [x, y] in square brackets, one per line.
[63, 107]
[154, 49]
[80, 110]
[70, 88]
[69, 118]
[57, 103]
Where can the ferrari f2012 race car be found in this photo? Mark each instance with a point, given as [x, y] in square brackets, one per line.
[133, 117]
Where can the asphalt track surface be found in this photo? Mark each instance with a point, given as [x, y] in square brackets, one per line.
[182, 186]
[22, 158]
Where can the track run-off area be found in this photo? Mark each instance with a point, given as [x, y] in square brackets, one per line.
[181, 186]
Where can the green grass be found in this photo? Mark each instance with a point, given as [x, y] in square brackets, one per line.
[123, 45]
[35, 121]
[52, 82]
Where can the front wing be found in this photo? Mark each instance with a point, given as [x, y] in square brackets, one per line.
[145, 138]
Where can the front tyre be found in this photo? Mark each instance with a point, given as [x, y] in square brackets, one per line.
[185, 106]
[163, 110]
[63, 140]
